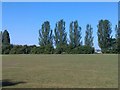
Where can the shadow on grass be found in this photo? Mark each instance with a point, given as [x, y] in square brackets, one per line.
[7, 82]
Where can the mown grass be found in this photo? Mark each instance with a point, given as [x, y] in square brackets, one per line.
[61, 71]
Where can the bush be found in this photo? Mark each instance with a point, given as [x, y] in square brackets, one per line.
[17, 49]
[34, 50]
[83, 50]
[6, 49]
[48, 49]
[61, 49]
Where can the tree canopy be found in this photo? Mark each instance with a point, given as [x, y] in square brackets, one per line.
[56, 41]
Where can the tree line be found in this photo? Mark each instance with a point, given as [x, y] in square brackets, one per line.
[56, 41]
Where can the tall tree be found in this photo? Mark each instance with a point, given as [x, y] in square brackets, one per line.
[0, 36]
[118, 37]
[0, 42]
[88, 36]
[104, 35]
[5, 38]
[117, 29]
[46, 37]
[60, 36]
[6, 47]
[75, 34]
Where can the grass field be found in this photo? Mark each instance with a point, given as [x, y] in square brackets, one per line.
[60, 71]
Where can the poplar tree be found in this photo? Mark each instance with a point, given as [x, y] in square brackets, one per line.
[46, 37]
[60, 36]
[75, 34]
[104, 35]
[88, 36]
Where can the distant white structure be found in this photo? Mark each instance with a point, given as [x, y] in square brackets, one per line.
[98, 51]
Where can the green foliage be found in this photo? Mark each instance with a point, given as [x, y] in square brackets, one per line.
[5, 38]
[61, 49]
[114, 46]
[42, 50]
[83, 50]
[88, 36]
[69, 49]
[118, 37]
[17, 49]
[45, 34]
[104, 35]
[45, 39]
[0, 42]
[47, 49]
[61, 45]
[6, 47]
[36, 50]
[75, 34]
[60, 37]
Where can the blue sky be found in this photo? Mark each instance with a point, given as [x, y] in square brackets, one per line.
[24, 19]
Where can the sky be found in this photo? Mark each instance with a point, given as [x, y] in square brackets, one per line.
[60, 0]
[24, 19]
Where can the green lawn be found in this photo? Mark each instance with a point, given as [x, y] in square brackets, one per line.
[60, 71]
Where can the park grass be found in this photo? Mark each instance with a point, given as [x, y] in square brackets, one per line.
[61, 71]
